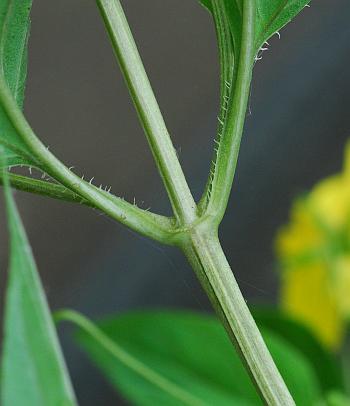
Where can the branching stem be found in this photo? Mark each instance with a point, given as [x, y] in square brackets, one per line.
[149, 113]
[194, 231]
[198, 237]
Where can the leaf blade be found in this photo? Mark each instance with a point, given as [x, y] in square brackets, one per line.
[14, 32]
[194, 352]
[14, 23]
[33, 370]
[328, 369]
[273, 15]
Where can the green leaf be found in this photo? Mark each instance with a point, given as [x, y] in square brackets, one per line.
[192, 352]
[14, 23]
[33, 372]
[14, 31]
[337, 399]
[271, 16]
[326, 365]
[228, 15]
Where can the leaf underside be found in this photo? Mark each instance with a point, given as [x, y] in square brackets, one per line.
[271, 16]
[33, 372]
[14, 32]
[327, 369]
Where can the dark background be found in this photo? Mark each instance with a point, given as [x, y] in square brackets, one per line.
[78, 104]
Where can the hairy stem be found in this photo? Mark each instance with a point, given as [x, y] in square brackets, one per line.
[230, 140]
[198, 237]
[227, 71]
[163, 227]
[139, 220]
[44, 188]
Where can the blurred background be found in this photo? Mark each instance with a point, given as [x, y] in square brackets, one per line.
[78, 104]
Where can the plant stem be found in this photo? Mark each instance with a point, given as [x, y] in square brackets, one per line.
[44, 188]
[207, 258]
[230, 140]
[162, 227]
[198, 235]
[147, 107]
[157, 227]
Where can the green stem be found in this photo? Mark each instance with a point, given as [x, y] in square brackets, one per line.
[44, 188]
[157, 227]
[227, 71]
[230, 140]
[147, 107]
[206, 256]
[163, 228]
[198, 236]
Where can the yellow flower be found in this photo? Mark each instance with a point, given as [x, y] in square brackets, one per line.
[314, 256]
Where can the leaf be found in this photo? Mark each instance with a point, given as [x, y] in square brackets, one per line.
[337, 399]
[229, 19]
[193, 352]
[14, 31]
[14, 23]
[274, 15]
[271, 16]
[326, 366]
[33, 372]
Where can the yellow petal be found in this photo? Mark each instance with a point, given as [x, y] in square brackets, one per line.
[305, 296]
[347, 160]
[342, 285]
[313, 249]
[300, 235]
[330, 201]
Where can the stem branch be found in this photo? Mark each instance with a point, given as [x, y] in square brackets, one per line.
[198, 238]
[144, 222]
[149, 113]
